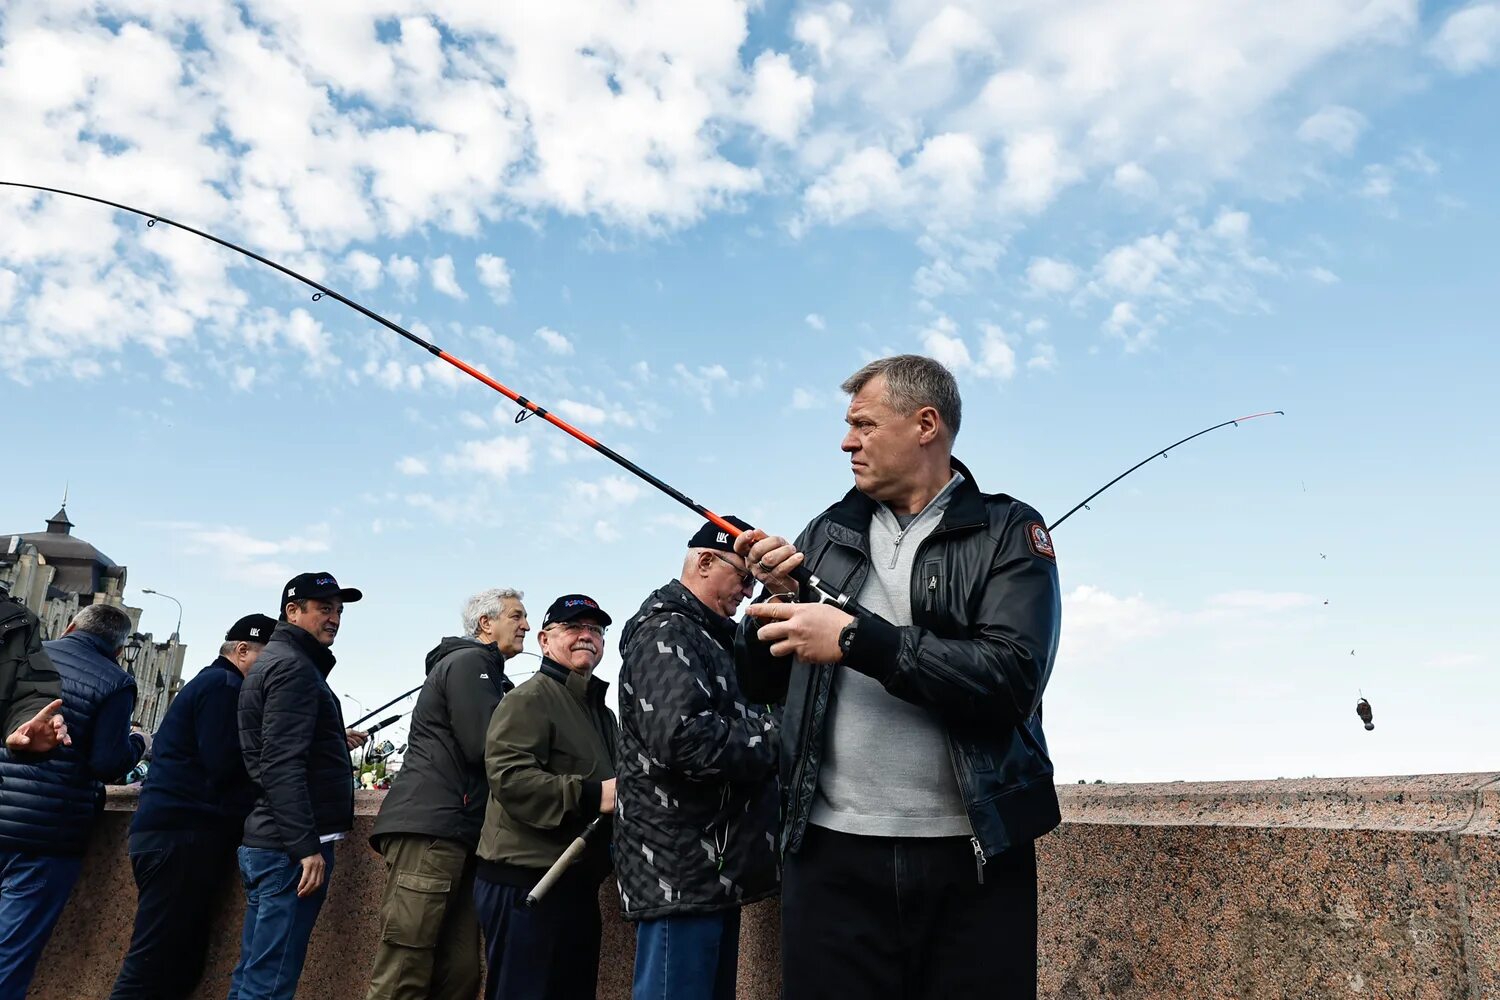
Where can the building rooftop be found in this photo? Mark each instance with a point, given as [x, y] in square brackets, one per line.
[81, 568]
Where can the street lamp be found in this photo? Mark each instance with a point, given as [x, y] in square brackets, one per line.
[177, 632]
[131, 651]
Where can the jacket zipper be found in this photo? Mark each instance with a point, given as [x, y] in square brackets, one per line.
[931, 592]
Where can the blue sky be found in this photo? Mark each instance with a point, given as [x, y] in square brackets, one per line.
[683, 224]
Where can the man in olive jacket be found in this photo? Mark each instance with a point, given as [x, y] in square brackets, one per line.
[549, 757]
[695, 831]
[429, 823]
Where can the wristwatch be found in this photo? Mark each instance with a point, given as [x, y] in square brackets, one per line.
[846, 637]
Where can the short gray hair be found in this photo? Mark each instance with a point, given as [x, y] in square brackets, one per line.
[912, 382]
[228, 647]
[106, 621]
[487, 603]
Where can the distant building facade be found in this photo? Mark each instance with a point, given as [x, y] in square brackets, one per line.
[55, 573]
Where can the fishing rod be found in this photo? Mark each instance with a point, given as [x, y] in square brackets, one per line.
[1154, 455]
[371, 715]
[528, 407]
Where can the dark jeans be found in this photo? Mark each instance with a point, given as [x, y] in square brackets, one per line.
[277, 924]
[33, 891]
[547, 953]
[884, 917]
[692, 956]
[179, 875]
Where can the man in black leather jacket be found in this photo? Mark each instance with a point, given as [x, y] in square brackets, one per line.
[914, 766]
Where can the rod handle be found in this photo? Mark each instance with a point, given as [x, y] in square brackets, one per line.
[561, 865]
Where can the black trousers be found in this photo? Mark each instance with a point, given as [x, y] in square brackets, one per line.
[179, 876]
[884, 917]
[547, 953]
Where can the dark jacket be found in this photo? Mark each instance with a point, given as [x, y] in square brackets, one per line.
[986, 604]
[292, 736]
[549, 749]
[197, 779]
[28, 680]
[442, 791]
[48, 805]
[698, 804]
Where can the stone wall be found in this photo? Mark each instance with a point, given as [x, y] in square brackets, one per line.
[1365, 887]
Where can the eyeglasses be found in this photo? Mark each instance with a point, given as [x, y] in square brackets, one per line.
[589, 627]
[746, 577]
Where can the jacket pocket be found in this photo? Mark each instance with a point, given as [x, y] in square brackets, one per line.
[412, 916]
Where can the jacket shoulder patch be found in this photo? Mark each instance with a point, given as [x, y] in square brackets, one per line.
[1040, 540]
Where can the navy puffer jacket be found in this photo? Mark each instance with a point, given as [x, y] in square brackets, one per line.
[48, 806]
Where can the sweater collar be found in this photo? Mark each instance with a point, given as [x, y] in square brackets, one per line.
[965, 505]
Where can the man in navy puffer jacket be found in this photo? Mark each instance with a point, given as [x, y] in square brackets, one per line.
[188, 823]
[48, 806]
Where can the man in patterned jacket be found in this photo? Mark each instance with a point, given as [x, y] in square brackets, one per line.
[694, 837]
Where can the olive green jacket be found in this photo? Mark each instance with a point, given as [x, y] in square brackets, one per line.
[549, 749]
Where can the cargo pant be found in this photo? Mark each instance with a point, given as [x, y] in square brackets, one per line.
[429, 933]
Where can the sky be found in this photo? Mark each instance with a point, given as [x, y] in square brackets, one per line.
[681, 223]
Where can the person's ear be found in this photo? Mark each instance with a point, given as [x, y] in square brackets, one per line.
[929, 424]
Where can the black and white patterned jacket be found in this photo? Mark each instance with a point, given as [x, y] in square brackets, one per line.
[698, 804]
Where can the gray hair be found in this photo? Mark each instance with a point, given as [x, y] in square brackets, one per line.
[106, 621]
[912, 382]
[487, 603]
[228, 647]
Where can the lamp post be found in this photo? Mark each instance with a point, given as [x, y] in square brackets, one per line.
[131, 651]
[177, 632]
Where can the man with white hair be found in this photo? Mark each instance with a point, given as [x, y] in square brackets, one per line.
[48, 806]
[429, 824]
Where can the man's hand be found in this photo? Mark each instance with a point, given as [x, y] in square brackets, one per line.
[314, 870]
[45, 732]
[808, 631]
[607, 797]
[771, 558]
[356, 738]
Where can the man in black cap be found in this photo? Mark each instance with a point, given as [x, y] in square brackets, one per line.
[296, 751]
[188, 822]
[549, 758]
[697, 769]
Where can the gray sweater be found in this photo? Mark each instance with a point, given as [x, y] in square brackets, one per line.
[887, 771]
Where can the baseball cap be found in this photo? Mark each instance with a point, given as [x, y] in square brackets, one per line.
[251, 628]
[305, 586]
[711, 536]
[571, 606]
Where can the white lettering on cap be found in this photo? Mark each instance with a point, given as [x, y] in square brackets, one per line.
[723, 537]
[255, 633]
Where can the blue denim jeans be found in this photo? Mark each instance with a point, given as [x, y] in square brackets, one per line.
[33, 891]
[277, 924]
[687, 957]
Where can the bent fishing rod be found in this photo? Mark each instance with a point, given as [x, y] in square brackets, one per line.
[528, 407]
[1155, 455]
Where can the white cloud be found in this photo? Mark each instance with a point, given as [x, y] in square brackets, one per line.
[1469, 39]
[779, 99]
[494, 275]
[410, 465]
[1048, 276]
[555, 342]
[996, 358]
[443, 277]
[1133, 179]
[246, 558]
[1336, 127]
[809, 399]
[1043, 358]
[606, 532]
[1322, 275]
[498, 458]
[815, 321]
[244, 378]
[706, 382]
[1100, 622]
[404, 270]
[364, 268]
[581, 413]
[613, 491]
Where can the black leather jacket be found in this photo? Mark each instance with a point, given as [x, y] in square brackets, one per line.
[986, 604]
